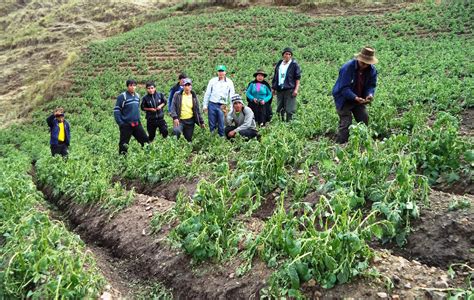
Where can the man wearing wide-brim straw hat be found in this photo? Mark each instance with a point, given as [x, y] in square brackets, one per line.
[354, 88]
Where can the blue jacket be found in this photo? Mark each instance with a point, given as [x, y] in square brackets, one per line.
[264, 94]
[54, 130]
[344, 89]
[175, 88]
[126, 108]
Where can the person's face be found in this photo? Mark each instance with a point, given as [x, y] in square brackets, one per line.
[187, 88]
[131, 88]
[181, 81]
[259, 77]
[221, 74]
[151, 90]
[59, 117]
[238, 106]
[362, 65]
[287, 56]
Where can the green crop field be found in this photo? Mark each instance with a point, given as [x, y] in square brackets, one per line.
[371, 189]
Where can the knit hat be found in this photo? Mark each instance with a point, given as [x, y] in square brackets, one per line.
[287, 49]
[236, 98]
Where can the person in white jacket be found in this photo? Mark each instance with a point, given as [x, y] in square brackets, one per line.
[240, 120]
[218, 92]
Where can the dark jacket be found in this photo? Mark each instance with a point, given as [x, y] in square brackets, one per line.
[153, 101]
[54, 130]
[174, 89]
[176, 107]
[126, 108]
[293, 73]
[344, 89]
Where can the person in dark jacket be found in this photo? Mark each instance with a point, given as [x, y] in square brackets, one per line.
[153, 104]
[178, 87]
[259, 94]
[127, 116]
[185, 112]
[354, 89]
[286, 84]
[60, 132]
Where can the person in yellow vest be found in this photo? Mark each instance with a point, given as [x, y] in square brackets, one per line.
[185, 111]
[60, 132]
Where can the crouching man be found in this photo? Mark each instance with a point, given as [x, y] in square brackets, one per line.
[240, 120]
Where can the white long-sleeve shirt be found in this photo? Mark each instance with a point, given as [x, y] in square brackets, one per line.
[218, 91]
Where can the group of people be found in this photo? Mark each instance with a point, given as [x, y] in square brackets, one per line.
[353, 90]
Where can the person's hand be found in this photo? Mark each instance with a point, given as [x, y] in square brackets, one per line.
[224, 109]
[175, 122]
[369, 98]
[359, 100]
[273, 92]
[232, 133]
[255, 100]
[262, 102]
[295, 92]
[203, 125]
[205, 110]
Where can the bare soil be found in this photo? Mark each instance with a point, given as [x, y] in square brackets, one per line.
[441, 237]
[167, 190]
[331, 10]
[467, 122]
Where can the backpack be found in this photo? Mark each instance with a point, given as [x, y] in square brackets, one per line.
[124, 94]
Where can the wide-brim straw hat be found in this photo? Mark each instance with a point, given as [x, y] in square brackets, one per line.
[367, 55]
[260, 71]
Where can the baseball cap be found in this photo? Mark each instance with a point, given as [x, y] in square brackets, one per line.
[187, 81]
[221, 68]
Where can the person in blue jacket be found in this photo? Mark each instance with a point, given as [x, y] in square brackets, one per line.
[178, 87]
[127, 116]
[60, 132]
[259, 94]
[354, 89]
